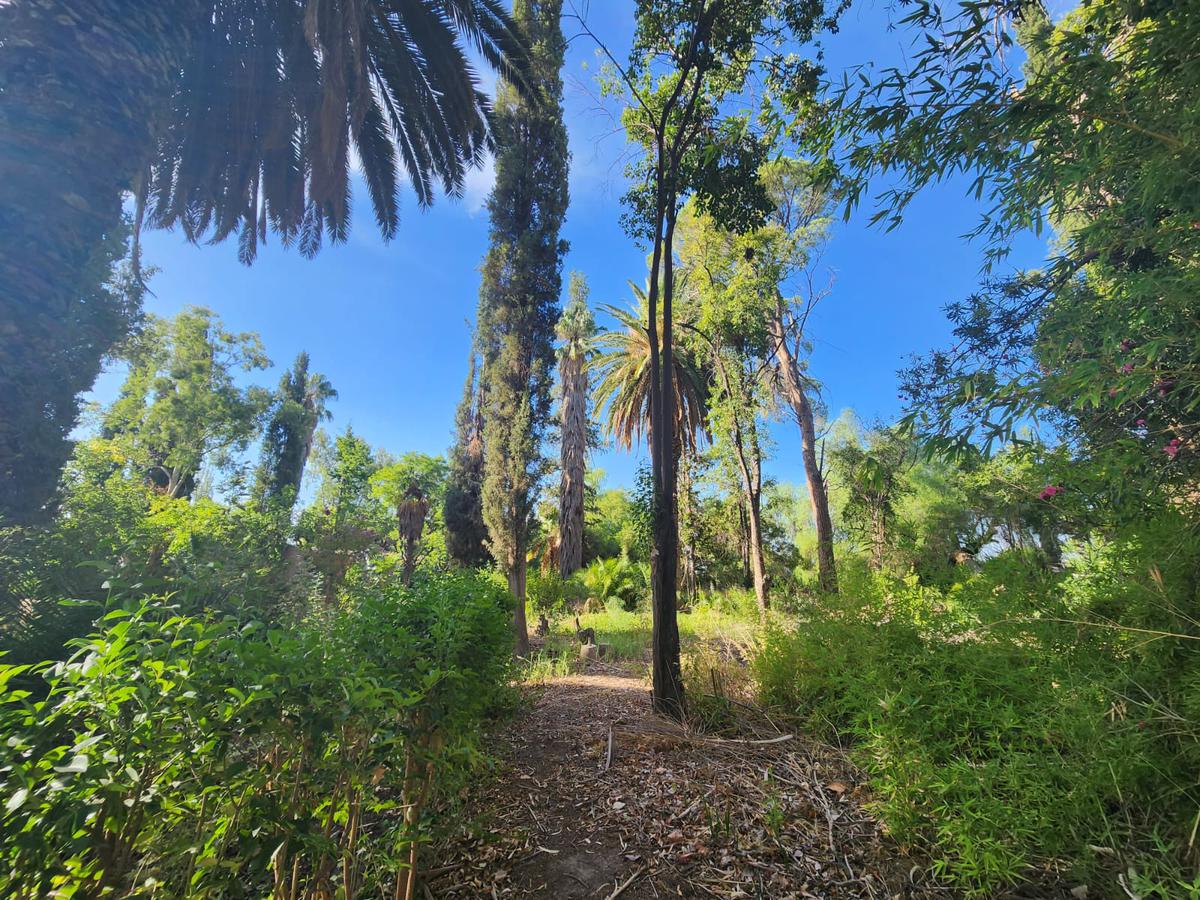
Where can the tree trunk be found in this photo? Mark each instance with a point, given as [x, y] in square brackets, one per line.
[748, 454]
[1051, 547]
[687, 564]
[574, 461]
[667, 677]
[878, 539]
[83, 86]
[516, 584]
[750, 465]
[757, 564]
[818, 494]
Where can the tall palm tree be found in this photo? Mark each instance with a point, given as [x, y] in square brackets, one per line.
[301, 404]
[576, 328]
[221, 117]
[622, 366]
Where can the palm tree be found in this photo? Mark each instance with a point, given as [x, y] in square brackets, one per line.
[221, 117]
[300, 405]
[576, 327]
[622, 364]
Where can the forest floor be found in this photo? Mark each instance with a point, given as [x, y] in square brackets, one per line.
[598, 798]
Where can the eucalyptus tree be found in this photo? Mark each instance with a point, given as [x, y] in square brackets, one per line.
[519, 293]
[180, 407]
[690, 61]
[299, 406]
[221, 118]
[758, 287]
[729, 330]
[576, 329]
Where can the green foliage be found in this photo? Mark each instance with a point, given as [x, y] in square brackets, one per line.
[1014, 717]
[1097, 136]
[180, 407]
[205, 756]
[519, 291]
[462, 510]
[298, 407]
[551, 594]
[615, 580]
[47, 359]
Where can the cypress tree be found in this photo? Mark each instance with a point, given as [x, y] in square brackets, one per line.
[462, 508]
[518, 297]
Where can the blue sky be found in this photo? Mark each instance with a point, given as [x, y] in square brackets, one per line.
[388, 323]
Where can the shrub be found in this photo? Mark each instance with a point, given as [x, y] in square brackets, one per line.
[615, 579]
[994, 730]
[218, 757]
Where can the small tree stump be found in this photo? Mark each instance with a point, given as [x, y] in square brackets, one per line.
[592, 651]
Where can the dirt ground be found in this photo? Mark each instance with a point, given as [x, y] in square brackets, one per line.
[656, 810]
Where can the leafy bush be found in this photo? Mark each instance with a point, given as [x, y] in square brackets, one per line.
[997, 731]
[218, 757]
[550, 594]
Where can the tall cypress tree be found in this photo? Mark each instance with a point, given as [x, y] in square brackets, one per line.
[518, 296]
[462, 508]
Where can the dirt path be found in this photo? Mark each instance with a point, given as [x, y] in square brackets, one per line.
[672, 814]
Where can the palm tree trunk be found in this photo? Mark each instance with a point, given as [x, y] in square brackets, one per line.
[83, 86]
[818, 494]
[574, 461]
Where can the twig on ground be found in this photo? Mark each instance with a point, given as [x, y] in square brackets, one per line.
[617, 892]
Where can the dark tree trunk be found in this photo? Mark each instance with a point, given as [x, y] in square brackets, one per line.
[818, 495]
[83, 86]
[667, 676]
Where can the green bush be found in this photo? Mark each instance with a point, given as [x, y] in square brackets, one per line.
[217, 757]
[550, 594]
[995, 730]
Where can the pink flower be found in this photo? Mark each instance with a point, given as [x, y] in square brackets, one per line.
[1126, 345]
[1050, 491]
[1141, 423]
[1172, 448]
[1112, 392]
[1126, 369]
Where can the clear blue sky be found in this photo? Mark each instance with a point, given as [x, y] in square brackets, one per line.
[387, 323]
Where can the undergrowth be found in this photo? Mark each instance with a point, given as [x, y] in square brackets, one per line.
[1012, 725]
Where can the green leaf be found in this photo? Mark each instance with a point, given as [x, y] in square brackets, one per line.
[17, 800]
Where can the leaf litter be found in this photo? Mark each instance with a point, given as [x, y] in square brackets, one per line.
[599, 798]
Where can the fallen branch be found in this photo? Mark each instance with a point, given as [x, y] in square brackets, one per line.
[617, 892]
[775, 740]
